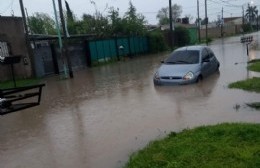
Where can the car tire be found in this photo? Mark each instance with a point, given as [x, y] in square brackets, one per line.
[199, 79]
[217, 68]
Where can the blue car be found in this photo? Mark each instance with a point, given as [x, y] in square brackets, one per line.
[186, 65]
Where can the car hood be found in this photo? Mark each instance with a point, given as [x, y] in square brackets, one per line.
[177, 69]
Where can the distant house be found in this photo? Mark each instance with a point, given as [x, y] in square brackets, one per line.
[152, 27]
[188, 26]
[233, 21]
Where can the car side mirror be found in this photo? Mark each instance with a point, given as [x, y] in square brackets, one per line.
[205, 60]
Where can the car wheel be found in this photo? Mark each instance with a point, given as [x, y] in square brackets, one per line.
[217, 70]
[199, 79]
[218, 67]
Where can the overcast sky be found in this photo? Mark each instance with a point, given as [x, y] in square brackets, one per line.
[149, 8]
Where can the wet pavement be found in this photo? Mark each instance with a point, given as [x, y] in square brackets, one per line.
[104, 114]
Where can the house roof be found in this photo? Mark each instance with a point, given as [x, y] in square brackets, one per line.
[229, 19]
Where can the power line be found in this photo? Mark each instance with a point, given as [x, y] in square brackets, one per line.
[8, 7]
[224, 3]
[231, 5]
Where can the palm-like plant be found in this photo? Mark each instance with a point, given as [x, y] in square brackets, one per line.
[251, 13]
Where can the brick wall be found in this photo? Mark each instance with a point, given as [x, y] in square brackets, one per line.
[12, 32]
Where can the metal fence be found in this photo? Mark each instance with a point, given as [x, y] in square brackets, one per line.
[116, 48]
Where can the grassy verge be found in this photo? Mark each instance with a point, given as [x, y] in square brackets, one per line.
[225, 145]
[19, 83]
[254, 60]
[249, 84]
[255, 105]
[254, 66]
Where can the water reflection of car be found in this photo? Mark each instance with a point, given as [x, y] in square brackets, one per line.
[187, 65]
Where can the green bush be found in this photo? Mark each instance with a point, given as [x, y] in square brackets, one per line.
[247, 28]
[157, 41]
[181, 36]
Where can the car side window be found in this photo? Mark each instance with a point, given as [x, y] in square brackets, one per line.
[211, 54]
[205, 54]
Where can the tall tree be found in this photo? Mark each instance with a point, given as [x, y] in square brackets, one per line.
[163, 14]
[97, 24]
[70, 20]
[135, 22]
[70, 15]
[251, 13]
[176, 12]
[116, 22]
[41, 23]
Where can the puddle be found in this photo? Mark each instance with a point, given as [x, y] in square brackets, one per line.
[104, 114]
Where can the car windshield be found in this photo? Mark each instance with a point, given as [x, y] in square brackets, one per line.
[183, 57]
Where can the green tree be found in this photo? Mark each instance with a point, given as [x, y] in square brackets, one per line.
[41, 23]
[70, 20]
[97, 24]
[176, 12]
[251, 13]
[70, 15]
[116, 23]
[87, 22]
[134, 22]
[163, 14]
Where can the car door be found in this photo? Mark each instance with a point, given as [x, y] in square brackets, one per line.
[205, 63]
[212, 61]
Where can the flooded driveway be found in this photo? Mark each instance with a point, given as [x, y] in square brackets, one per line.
[104, 114]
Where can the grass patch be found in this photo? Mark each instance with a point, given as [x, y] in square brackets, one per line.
[254, 66]
[253, 61]
[224, 145]
[255, 105]
[249, 84]
[19, 83]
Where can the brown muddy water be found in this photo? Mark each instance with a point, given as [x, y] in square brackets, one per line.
[104, 114]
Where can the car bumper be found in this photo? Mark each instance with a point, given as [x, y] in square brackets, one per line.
[173, 82]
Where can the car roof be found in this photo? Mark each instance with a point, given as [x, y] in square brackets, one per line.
[194, 47]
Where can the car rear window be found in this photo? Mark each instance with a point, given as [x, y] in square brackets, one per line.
[183, 57]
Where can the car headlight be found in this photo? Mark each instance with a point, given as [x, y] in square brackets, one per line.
[189, 76]
[156, 76]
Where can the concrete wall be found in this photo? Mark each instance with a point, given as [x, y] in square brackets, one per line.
[48, 59]
[12, 32]
[215, 32]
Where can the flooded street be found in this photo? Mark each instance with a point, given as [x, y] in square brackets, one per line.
[104, 114]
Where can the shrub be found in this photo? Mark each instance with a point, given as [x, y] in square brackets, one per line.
[247, 28]
[156, 41]
[181, 36]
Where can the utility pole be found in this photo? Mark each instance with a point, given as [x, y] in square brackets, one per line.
[28, 46]
[243, 16]
[171, 31]
[257, 20]
[27, 20]
[222, 22]
[198, 20]
[60, 40]
[206, 18]
[65, 51]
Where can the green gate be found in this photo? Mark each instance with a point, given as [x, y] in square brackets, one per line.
[114, 49]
